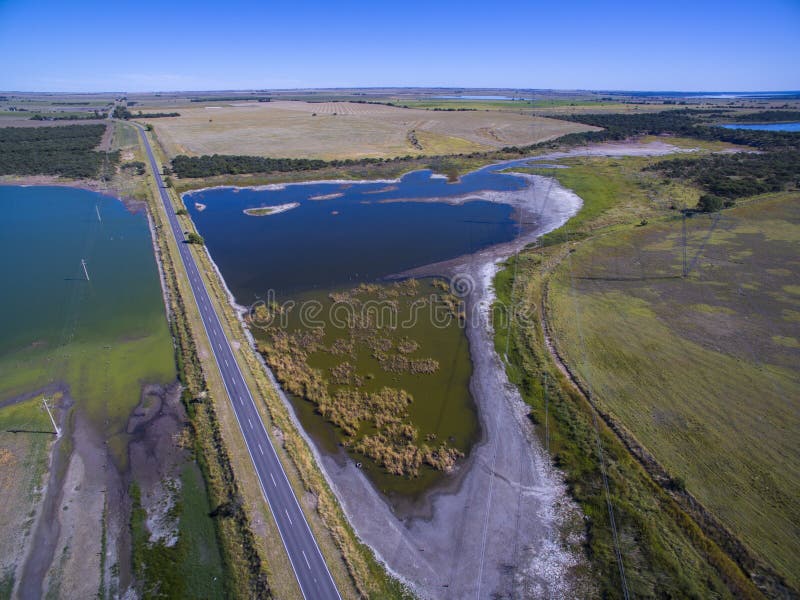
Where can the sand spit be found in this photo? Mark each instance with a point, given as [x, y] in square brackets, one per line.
[327, 196]
[276, 187]
[268, 211]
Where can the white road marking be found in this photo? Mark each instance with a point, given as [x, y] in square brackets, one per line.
[204, 301]
[249, 421]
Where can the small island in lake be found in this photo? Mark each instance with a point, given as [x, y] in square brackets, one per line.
[263, 211]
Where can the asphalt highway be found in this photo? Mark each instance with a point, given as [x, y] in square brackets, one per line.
[304, 554]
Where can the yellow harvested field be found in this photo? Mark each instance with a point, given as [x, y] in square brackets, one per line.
[333, 130]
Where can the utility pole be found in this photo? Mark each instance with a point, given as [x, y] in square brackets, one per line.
[52, 420]
[85, 272]
[546, 418]
[685, 271]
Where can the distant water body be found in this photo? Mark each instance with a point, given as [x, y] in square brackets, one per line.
[473, 98]
[793, 127]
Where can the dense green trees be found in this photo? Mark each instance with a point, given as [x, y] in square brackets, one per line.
[768, 116]
[709, 203]
[737, 175]
[692, 123]
[67, 151]
[120, 112]
[218, 164]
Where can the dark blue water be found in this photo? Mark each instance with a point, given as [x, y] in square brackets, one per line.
[349, 239]
[765, 126]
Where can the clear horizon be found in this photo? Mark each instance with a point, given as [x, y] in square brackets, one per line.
[93, 47]
[399, 87]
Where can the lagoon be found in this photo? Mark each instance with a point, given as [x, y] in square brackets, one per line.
[340, 234]
[344, 233]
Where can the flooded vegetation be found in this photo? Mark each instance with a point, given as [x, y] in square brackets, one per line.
[96, 343]
[382, 372]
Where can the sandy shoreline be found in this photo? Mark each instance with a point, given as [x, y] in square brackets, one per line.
[91, 185]
[275, 187]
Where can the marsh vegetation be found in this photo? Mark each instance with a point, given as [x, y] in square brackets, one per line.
[392, 382]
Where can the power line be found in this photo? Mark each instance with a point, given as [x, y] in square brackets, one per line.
[598, 440]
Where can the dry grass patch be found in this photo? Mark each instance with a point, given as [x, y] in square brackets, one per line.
[336, 130]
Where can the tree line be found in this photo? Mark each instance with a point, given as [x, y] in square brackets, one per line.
[67, 151]
[120, 112]
[228, 164]
[768, 116]
[692, 123]
[731, 176]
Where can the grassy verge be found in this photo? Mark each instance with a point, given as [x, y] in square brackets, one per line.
[665, 551]
[243, 569]
[23, 466]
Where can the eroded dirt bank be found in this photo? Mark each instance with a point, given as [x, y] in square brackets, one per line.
[81, 545]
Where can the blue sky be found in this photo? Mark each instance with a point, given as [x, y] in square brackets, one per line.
[60, 45]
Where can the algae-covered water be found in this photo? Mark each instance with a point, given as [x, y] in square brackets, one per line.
[97, 335]
[102, 337]
[442, 410]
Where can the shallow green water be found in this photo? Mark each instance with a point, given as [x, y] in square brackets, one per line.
[442, 406]
[103, 337]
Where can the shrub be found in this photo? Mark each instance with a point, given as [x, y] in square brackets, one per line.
[709, 203]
